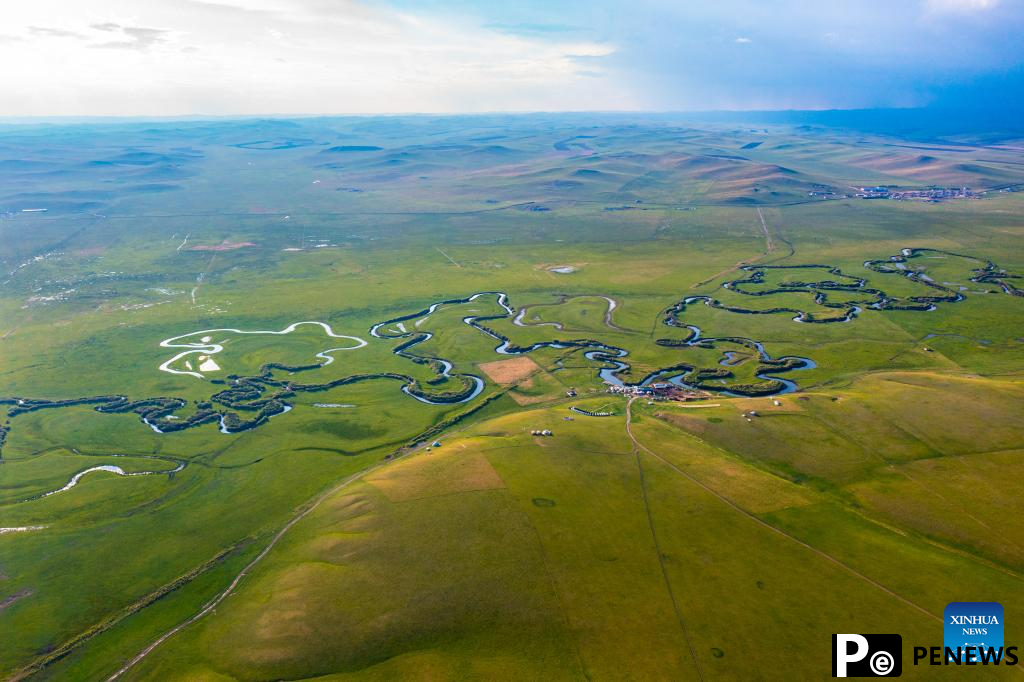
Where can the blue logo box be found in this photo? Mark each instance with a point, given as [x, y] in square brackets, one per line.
[974, 624]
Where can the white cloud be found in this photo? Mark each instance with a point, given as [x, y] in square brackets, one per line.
[131, 37]
[958, 6]
[284, 56]
[743, 40]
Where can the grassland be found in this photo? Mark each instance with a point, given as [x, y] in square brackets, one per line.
[665, 541]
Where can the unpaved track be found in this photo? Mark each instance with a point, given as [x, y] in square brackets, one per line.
[637, 447]
[443, 253]
[769, 244]
[769, 249]
[301, 514]
[657, 545]
[768, 526]
[213, 603]
[718, 274]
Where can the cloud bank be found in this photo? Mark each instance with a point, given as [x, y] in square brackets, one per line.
[222, 57]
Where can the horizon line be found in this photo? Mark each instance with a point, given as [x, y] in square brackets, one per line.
[113, 118]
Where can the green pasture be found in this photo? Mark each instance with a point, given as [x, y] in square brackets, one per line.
[879, 491]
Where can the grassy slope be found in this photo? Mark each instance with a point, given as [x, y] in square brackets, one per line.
[604, 598]
[554, 535]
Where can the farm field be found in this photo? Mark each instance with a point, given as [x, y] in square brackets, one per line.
[273, 397]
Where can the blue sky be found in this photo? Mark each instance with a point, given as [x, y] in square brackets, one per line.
[181, 57]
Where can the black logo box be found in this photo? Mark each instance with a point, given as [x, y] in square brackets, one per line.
[875, 659]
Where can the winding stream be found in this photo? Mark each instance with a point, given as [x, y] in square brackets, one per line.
[612, 304]
[267, 396]
[248, 391]
[611, 356]
[871, 298]
[206, 346]
[395, 328]
[111, 468]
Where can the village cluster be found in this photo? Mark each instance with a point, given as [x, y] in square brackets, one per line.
[660, 391]
[930, 194]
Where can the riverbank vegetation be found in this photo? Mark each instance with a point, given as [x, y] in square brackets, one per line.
[877, 490]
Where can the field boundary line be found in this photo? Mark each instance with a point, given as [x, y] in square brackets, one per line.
[779, 531]
[963, 554]
[938, 544]
[213, 603]
[107, 623]
[442, 252]
[657, 545]
[302, 513]
[555, 588]
[769, 244]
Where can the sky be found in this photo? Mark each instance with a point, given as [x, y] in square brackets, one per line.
[259, 57]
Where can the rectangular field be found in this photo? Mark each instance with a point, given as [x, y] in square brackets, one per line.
[509, 371]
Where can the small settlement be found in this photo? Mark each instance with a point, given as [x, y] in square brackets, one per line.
[660, 391]
[928, 194]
